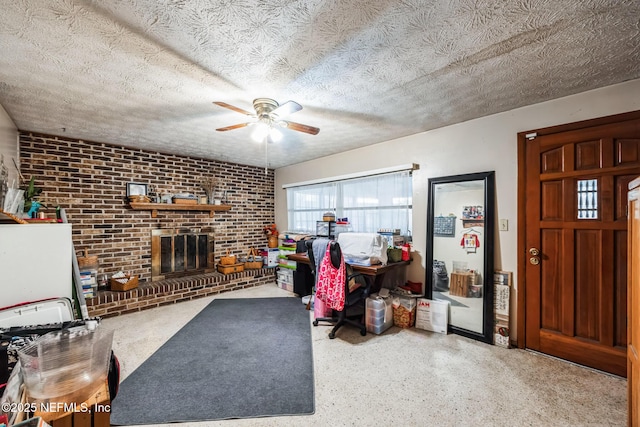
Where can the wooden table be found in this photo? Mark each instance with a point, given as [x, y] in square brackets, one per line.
[380, 274]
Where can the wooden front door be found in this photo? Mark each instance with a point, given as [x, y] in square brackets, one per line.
[576, 242]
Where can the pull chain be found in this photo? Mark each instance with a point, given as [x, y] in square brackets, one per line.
[266, 155]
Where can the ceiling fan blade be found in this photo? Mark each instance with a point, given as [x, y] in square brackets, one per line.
[232, 127]
[287, 108]
[231, 107]
[302, 128]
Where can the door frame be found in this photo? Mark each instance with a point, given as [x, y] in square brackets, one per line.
[522, 225]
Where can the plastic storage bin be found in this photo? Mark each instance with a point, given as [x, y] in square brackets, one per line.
[66, 366]
[285, 279]
[55, 310]
[379, 314]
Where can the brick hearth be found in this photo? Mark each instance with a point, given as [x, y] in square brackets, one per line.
[170, 291]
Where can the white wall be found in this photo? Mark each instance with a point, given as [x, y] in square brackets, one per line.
[448, 249]
[479, 145]
[9, 143]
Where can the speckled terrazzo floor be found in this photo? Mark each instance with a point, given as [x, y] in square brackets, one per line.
[408, 377]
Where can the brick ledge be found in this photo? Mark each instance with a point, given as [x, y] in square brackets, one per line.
[170, 291]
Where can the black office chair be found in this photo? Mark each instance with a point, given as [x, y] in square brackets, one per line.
[354, 305]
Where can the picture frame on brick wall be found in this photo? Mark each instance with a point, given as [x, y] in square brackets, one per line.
[136, 189]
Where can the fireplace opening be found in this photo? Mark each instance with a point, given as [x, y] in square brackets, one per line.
[181, 252]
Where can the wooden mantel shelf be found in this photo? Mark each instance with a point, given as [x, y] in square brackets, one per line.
[155, 207]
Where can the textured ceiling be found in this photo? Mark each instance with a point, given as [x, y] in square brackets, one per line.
[144, 73]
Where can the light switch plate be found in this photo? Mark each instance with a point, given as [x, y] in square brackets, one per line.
[504, 225]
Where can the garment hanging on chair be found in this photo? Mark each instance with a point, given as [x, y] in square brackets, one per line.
[331, 281]
[319, 247]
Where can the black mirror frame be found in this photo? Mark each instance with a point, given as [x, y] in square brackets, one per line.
[489, 229]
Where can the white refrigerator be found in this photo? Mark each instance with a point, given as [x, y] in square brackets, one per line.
[35, 262]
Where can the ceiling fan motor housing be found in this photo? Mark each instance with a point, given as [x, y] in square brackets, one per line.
[264, 107]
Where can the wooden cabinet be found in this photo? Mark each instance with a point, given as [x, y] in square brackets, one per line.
[633, 304]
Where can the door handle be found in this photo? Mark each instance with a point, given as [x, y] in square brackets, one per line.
[534, 260]
[534, 251]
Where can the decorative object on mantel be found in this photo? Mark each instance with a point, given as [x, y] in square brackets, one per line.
[185, 199]
[136, 189]
[139, 199]
[209, 185]
[153, 193]
[271, 231]
[123, 282]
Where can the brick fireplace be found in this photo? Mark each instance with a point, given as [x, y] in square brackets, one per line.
[178, 252]
[89, 180]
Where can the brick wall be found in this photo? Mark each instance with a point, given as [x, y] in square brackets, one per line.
[89, 180]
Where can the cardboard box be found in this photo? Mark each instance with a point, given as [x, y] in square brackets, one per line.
[270, 256]
[93, 412]
[432, 315]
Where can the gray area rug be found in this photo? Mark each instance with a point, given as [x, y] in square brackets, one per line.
[238, 358]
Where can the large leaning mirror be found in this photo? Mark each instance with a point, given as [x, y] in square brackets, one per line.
[459, 256]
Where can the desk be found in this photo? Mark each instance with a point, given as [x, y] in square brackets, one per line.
[390, 274]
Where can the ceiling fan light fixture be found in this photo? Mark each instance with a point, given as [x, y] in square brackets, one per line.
[275, 135]
[269, 115]
[260, 132]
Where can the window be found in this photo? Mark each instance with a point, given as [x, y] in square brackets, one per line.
[370, 203]
[587, 199]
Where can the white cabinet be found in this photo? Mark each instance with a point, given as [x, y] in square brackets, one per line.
[35, 262]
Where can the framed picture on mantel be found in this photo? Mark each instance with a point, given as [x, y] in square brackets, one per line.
[136, 189]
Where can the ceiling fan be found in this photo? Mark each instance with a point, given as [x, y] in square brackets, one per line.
[271, 115]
